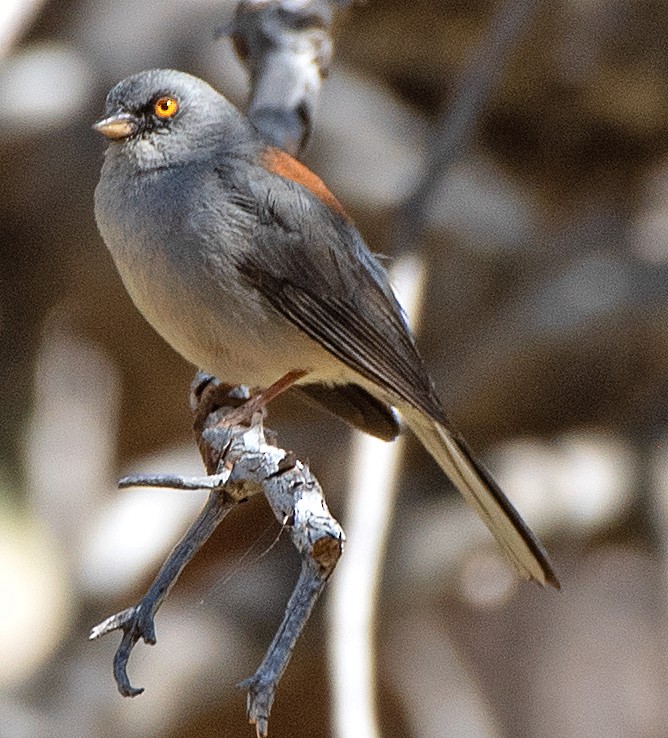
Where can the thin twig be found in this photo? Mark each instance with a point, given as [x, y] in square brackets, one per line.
[321, 539]
[138, 621]
[174, 481]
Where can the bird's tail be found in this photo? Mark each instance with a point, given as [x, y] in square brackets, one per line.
[482, 493]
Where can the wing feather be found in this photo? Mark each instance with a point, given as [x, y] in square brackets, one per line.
[322, 278]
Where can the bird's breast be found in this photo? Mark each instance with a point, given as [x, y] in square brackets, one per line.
[175, 264]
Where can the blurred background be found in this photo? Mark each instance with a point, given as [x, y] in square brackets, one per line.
[544, 325]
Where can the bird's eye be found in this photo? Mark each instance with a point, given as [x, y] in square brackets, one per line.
[166, 107]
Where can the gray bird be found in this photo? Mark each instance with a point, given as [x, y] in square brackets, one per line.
[242, 259]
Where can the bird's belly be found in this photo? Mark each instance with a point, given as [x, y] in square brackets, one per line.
[237, 340]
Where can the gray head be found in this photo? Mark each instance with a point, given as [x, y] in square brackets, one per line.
[164, 117]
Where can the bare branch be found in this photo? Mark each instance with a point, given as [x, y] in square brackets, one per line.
[137, 622]
[356, 591]
[245, 465]
[320, 540]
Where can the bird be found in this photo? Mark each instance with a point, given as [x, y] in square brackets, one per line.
[243, 260]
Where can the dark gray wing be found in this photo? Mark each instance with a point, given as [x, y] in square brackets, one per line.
[313, 267]
[356, 406]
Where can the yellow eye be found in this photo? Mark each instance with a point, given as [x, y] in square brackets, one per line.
[166, 107]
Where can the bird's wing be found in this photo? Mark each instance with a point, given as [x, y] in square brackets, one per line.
[309, 262]
[356, 406]
[311, 265]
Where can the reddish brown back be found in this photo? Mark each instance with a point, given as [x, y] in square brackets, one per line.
[277, 161]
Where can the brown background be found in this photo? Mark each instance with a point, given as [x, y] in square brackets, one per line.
[545, 327]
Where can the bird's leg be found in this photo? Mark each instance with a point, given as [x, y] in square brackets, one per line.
[261, 399]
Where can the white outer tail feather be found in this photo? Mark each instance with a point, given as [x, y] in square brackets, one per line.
[519, 545]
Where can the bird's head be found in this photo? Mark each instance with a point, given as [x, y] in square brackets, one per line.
[163, 117]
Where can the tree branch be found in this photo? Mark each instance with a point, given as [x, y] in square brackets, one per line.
[454, 132]
[243, 464]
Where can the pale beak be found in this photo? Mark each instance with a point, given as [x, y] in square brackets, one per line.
[117, 126]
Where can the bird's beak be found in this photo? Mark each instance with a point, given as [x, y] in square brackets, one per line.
[117, 126]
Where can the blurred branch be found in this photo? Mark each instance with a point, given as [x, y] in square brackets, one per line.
[240, 463]
[15, 16]
[287, 47]
[454, 132]
[355, 594]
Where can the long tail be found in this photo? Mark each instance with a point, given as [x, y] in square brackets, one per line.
[482, 493]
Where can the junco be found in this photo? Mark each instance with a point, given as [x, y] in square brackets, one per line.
[244, 261]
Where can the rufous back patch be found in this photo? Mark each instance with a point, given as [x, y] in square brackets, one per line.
[277, 161]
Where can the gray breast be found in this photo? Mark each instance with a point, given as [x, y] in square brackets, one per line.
[172, 252]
